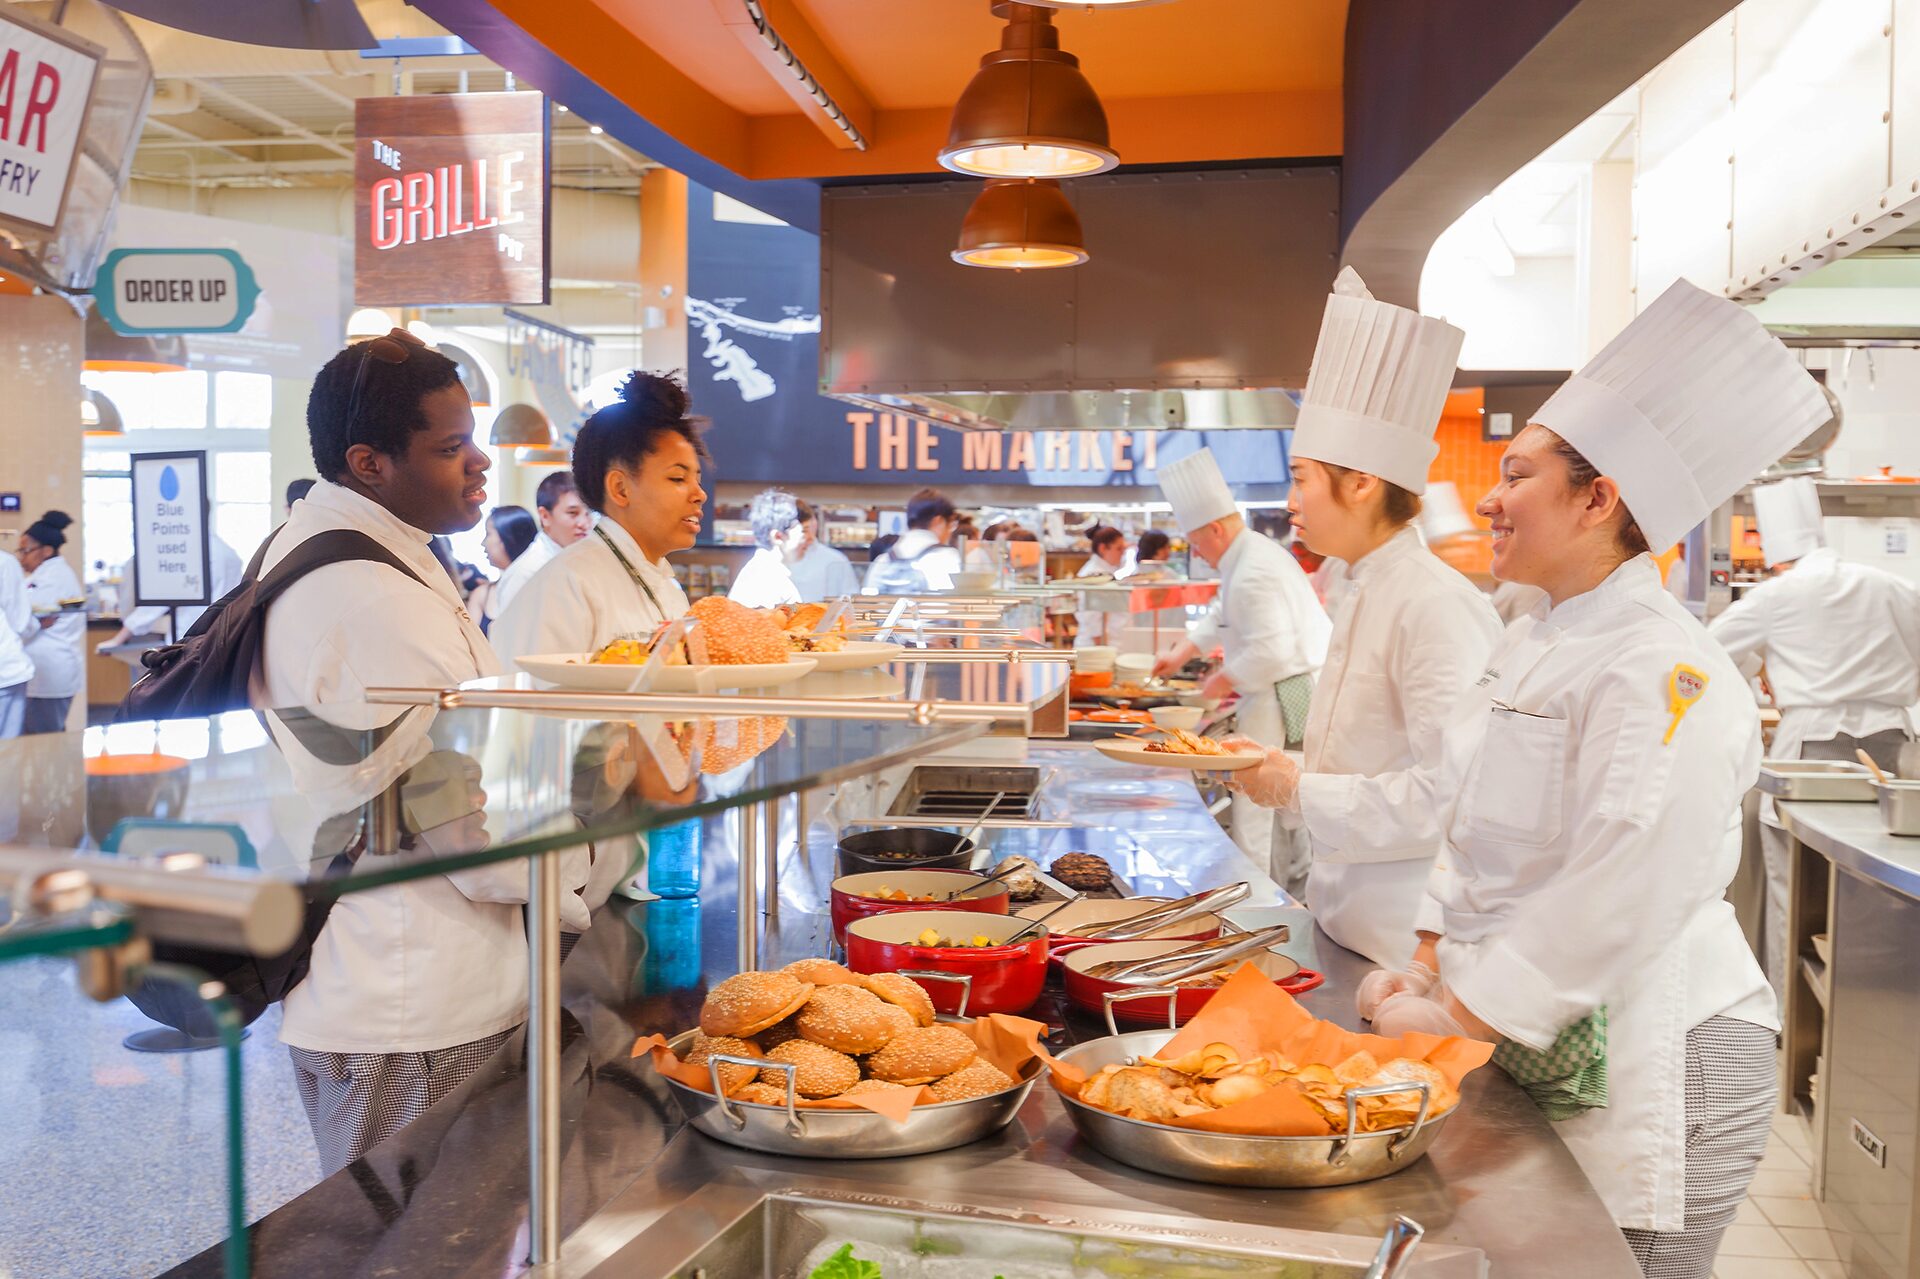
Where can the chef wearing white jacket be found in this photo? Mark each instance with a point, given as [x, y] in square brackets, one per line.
[1841, 647]
[1588, 784]
[57, 643]
[1271, 630]
[637, 463]
[1410, 633]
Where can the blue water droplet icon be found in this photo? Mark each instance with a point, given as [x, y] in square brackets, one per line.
[169, 484]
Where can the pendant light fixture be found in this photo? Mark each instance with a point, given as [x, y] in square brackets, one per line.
[99, 419]
[521, 426]
[1028, 112]
[1020, 224]
[546, 457]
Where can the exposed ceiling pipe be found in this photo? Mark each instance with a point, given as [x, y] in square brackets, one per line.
[785, 53]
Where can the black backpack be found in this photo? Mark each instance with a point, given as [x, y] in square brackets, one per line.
[208, 670]
[206, 673]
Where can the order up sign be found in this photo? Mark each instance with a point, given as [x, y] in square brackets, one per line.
[175, 290]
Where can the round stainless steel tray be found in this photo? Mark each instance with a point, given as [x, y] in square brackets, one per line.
[1232, 1159]
[843, 1134]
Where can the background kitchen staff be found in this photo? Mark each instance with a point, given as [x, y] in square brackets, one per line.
[1410, 633]
[1270, 629]
[57, 642]
[1841, 646]
[564, 519]
[1581, 892]
[637, 462]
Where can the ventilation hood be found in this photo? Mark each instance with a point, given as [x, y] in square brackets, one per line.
[1198, 311]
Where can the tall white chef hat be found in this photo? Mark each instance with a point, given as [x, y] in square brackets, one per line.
[1789, 516]
[1196, 489]
[1443, 514]
[1683, 407]
[1379, 380]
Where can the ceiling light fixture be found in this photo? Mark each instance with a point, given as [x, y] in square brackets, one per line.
[546, 457]
[1020, 224]
[98, 416]
[521, 426]
[1028, 112]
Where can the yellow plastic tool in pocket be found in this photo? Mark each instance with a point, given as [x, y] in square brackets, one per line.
[1685, 686]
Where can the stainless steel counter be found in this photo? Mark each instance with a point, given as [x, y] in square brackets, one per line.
[1853, 838]
[1498, 1180]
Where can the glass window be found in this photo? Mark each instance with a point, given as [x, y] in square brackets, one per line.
[155, 401]
[108, 530]
[242, 401]
[243, 525]
[242, 477]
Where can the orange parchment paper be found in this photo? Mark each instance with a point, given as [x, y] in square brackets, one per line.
[1251, 1015]
[1008, 1042]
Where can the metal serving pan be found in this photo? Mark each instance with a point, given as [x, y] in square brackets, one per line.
[1231, 1159]
[1899, 807]
[842, 1134]
[1816, 780]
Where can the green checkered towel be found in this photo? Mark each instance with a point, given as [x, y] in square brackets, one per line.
[1296, 696]
[1569, 1077]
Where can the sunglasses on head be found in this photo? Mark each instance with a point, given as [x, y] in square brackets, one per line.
[396, 347]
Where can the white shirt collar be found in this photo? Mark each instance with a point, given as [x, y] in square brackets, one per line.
[631, 549]
[1639, 576]
[1400, 546]
[364, 512]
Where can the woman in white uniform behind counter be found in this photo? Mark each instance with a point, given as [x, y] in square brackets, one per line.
[637, 462]
[1578, 904]
[1410, 633]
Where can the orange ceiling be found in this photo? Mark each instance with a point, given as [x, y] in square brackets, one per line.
[1185, 81]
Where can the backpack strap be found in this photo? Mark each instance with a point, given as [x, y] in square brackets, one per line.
[334, 546]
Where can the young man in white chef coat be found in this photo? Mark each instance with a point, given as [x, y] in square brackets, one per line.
[1841, 646]
[1271, 631]
[1410, 633]
[564, 519]
[822, 572]
[413, 986]
[1578, 907]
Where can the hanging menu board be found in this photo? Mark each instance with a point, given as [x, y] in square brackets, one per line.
[450, 200]
[46, 84]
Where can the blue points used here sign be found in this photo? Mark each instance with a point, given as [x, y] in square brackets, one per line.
[153, 291]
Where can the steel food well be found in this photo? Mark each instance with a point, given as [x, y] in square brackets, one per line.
[1816, 780]
[1899, 806]
[1232, 1159]
[842, 1134]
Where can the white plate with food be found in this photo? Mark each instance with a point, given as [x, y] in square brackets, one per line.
[853, 655]
[580, 671]
[1177, 748]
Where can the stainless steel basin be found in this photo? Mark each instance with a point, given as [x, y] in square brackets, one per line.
[784, 1236]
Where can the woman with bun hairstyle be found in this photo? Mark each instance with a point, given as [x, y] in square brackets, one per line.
[638, 463]
[56, 644]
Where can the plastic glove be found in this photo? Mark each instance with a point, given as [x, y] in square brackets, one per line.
[1273, 784]
[1382, 984]
[1407, 1011]
[1217, 685]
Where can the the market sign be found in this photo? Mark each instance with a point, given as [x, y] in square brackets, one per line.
[450, 200]
[147, 291]
[46, 85]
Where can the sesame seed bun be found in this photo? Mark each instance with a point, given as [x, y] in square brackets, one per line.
[849, 1019]
[822, 1071]
[732, 1077]
[747, 1003]
[903, 991]
[981, 1079]
[922, 1055]
[822, 972]
[778, 1033]
[762, 1094]
[898, 1018]
[866, 1086]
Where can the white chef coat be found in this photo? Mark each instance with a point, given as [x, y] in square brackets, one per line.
[764, 581]
[1270, 627]
[16, 623]
[1096, 627]
[430, 963]
[584, 600]
[1841, 643]
[539, 553]
[1410, 636]
[937, 565]
[58, 651]
[823, 573]
[1584, 863]
[225, 568]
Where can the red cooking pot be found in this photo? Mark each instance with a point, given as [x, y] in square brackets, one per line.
[1001, 978]
[853, 895]
[1101, 910]
[1090, 992]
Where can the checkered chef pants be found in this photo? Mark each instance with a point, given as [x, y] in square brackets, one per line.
[355, 1101]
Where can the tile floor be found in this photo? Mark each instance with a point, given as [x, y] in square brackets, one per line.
[1779, 1233]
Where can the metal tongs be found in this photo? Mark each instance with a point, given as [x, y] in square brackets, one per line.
[1396, 1249]
[1188, 961]
[1168, 913]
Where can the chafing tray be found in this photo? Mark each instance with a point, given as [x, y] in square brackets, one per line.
[1899, 807]
[1816, 780]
